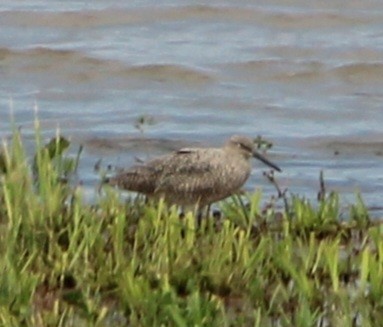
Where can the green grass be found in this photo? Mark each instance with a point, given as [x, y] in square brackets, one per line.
[65, 262]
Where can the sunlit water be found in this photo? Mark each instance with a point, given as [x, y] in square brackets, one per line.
[307, 75]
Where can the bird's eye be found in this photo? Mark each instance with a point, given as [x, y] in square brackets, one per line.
[244, 147]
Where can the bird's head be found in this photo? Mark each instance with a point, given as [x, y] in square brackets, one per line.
[246, 147]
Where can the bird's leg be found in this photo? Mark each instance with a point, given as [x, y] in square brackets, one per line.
[202, 213]
[207, 211]
[217, 216]
[199, 219]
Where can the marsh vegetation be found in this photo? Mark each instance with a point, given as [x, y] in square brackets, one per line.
[285, 261]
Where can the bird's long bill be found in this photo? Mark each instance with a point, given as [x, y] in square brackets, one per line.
[265, 161]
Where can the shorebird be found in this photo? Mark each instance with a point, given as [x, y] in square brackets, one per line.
[194, 176]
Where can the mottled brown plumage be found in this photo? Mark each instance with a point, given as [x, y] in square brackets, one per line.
[194, 176]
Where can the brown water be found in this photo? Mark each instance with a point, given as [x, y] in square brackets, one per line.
[307, 75]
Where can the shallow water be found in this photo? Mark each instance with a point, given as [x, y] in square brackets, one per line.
[306, 75]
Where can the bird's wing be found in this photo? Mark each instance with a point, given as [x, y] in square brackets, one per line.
[140, 178]
[189, 171]
[145, 178]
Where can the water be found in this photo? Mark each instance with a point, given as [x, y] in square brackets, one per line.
[306, 75]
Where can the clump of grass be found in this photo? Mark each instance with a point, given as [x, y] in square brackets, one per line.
[65, 262]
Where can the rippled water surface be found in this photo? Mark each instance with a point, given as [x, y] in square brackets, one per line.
[307, 75]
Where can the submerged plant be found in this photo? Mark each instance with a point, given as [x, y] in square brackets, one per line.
[144, 121]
